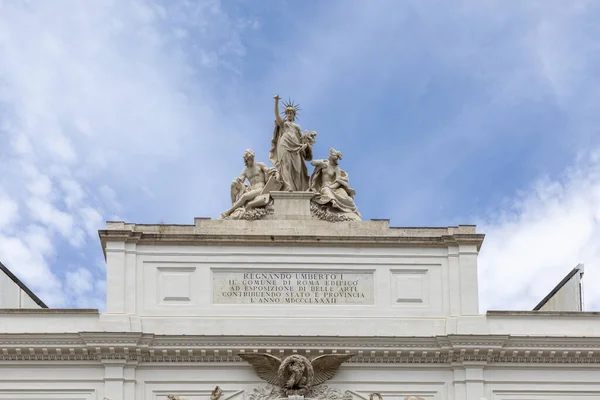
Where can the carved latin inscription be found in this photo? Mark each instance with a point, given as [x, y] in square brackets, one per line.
[292, 287]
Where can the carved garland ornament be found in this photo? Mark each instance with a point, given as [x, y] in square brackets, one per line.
[326, 214]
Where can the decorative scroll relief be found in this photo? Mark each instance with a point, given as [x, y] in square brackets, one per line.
[293, 287]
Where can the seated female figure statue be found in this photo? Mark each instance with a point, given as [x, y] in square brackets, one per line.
[333, 193]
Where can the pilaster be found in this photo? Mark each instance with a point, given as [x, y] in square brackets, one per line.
[454, 281]
[115, 276]
[474, 381]
[114, 379]
[469, 380]
[467, 258]
[130, 278]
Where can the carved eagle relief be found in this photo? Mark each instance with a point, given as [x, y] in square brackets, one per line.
[295, 375]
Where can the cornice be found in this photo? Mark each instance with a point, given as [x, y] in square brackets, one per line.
[303, 233]
[285, 240]
[457, 239]
[447, 350]
[443, 358]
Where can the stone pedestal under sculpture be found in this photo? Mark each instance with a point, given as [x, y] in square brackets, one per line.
[291, 205]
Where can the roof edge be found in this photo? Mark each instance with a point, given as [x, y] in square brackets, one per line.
[574, 271]
[23, 287]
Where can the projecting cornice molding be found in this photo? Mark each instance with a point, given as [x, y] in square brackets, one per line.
[247, 233]
[449, 350]
[207, 239]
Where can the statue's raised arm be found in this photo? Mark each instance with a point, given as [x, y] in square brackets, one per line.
[278, 119]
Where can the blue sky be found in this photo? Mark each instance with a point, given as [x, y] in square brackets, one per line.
[446, 112]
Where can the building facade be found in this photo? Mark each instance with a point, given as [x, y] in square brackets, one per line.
[184, 301]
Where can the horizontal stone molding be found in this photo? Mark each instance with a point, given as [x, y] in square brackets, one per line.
[148, 348]
[297, 240]
[442, 359]
[365, 233]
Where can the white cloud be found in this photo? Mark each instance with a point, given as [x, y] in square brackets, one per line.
[39, 185]
[84, 289]
[79, 281]
[92, 221]
[540, 236]
[21, 144]
[26, 256]
[109, 198]
[100, 286]
[39, 239]
[74, 194]
[9, 212]
[95, 96]
[46, 213]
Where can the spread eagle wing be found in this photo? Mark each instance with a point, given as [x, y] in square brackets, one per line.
[326, 366]
[265, 365]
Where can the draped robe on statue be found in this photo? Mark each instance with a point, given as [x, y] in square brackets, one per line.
[289, 157]
[330, 183]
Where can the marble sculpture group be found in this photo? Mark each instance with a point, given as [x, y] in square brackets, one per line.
[333, 198]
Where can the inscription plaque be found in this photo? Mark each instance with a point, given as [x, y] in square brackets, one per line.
[292, 287]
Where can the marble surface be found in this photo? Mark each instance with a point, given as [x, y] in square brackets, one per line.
[289, 287]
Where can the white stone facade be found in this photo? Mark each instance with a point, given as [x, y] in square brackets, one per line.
[183, 301]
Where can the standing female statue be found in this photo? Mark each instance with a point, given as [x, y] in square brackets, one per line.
[290, 149]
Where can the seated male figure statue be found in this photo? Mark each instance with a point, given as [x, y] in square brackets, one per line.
[257, 194]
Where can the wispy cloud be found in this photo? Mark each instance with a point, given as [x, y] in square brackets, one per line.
[95, 98]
